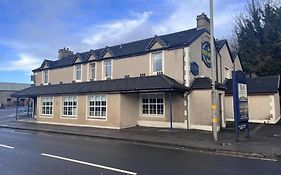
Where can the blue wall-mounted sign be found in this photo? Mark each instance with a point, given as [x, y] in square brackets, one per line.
[240, 102]
[206, 54]
[194, 68]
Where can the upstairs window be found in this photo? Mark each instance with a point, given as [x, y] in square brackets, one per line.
[45, 77]
[92, 71]
[157, 62]
[78, 72]
[107, 69]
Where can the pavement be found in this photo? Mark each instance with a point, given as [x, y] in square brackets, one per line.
[264, 141]
[44, 153]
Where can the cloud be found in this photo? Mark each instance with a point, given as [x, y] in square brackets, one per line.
[117, 32]
[24, 62]
[179, 15]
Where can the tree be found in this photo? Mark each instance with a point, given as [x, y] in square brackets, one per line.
[258, 37]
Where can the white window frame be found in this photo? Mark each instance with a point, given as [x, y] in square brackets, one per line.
[100, 117]
[75, 72]
[73, 116]
[90, 71]
[43, 77]
[104, 69]
[152, 62]
[151, 115]
[43, 99]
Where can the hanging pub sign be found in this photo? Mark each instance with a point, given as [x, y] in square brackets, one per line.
[206, 54]
[240, 103]
[194, 68]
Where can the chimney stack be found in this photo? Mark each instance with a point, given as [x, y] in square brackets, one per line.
[65, 52]
[203, 22]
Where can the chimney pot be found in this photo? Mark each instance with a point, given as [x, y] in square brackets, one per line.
[203, 22]
[62, 53]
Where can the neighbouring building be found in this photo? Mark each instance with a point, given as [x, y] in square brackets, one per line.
[263, 99]
[162, 81]
[7, 89]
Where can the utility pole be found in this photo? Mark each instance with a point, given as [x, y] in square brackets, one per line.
[213, 68]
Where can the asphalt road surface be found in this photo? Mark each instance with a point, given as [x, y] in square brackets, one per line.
[34, 153]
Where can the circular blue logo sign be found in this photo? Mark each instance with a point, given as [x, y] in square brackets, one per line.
[194, 68]
[206, 54]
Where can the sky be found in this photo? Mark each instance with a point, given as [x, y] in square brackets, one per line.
[34, 30]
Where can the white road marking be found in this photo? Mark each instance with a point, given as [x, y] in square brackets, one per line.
[89, 164]
[6, 146]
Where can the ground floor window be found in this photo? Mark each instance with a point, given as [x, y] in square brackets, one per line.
[69, 106]
[97, 106]
[47, 106]
[152, 104]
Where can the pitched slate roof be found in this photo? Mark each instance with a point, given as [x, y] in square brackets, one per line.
[220, 43]
[13, 86]
[205, 83]
[258, 85]
[158, 83]
[173, 40]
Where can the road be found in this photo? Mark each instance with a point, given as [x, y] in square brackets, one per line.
[33, 153]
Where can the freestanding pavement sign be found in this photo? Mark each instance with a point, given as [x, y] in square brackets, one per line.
[240, 103]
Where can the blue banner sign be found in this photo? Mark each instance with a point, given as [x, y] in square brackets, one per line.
[240, 102]
[194, 68]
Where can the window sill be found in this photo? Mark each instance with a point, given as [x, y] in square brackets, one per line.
[69, 117]
[97, 118]
[46, 115]
[153, 115]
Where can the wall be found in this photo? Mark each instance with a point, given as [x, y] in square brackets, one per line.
[226, 61]
[133, 66]
[123, 111]
[64, 75]
[4, 95]
[237, 63]
[200, 108]
[129, 110]
[196, 55]
[262, 108]
[113, 113]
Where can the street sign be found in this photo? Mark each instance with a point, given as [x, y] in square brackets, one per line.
[240, 103]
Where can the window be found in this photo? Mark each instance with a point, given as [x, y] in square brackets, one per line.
[45, 76]
[107, 69]
[152, 104]
[227, 73]
[92, 71]
[97, 106]
[78, 72]
[47, 106]
[69, 106]
[157, 61]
